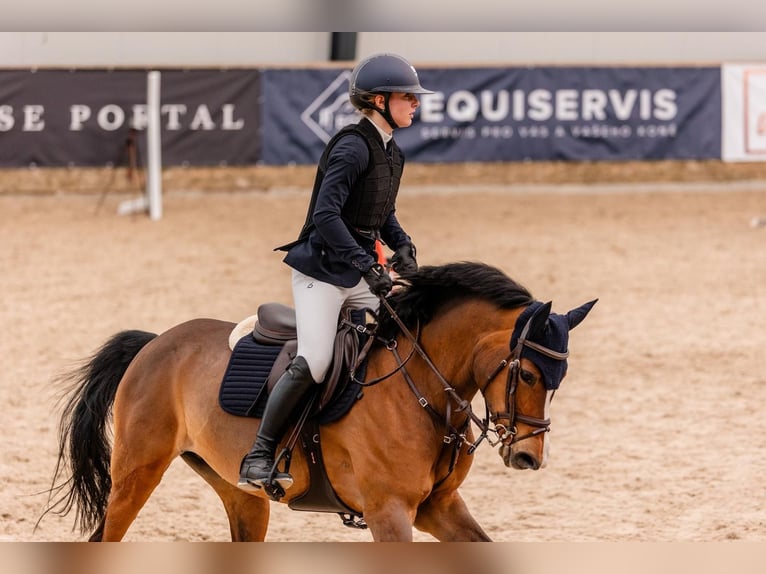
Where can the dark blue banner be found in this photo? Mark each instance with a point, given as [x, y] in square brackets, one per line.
[512, 114]
[285, 116]
[88, 117]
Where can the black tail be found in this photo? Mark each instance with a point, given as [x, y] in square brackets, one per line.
[84, 445]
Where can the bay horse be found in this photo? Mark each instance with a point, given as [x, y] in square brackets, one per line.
[398, 457]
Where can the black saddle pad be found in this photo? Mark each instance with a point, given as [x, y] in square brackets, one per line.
[243, 389]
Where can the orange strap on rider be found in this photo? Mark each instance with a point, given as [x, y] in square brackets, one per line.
[381, 254]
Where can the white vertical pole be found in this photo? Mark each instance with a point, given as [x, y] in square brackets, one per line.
[153, 145]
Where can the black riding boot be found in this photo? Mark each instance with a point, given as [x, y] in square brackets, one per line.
[258, 464]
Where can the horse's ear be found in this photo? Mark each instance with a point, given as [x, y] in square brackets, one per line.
[575, 316]
[538, 320]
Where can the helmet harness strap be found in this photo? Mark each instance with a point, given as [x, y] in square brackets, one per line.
[385, 112]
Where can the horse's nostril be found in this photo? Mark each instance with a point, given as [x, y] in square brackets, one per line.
[525, 460]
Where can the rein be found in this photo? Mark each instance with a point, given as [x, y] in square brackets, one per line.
[456, 437]
[462, 404]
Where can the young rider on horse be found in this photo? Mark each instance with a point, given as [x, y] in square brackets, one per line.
[334, 261]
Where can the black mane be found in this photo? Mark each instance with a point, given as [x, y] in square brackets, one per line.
[434, 286]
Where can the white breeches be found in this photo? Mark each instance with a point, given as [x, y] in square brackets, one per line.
[317, 308]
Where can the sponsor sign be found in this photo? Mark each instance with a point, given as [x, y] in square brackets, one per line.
[286, 116]
[744, 112]
[512, 114]
[302, 110]
[85, 117]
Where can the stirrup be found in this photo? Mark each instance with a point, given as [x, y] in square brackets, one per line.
[272, 484]
[274, 490]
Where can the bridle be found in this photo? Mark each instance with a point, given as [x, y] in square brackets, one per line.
[507, 434]
[506, 431]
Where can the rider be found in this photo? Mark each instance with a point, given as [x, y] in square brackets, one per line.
[334, 260]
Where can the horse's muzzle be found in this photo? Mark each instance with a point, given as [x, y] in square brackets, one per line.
[524, 460]
[520, 460]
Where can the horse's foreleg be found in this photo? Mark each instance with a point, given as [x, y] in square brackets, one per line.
[248, 515]
[390, 521]
[445, 516]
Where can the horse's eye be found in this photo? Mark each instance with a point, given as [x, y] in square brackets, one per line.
[528, 377]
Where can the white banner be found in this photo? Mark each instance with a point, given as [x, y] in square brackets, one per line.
[744, 112]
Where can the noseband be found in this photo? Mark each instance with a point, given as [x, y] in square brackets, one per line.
[508, 434]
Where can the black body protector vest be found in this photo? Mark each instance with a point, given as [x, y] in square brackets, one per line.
[374, 195]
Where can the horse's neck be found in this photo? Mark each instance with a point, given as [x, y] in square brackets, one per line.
[452, 339]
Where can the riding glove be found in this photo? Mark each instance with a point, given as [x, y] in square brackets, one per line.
[403, 260]
[378, 279]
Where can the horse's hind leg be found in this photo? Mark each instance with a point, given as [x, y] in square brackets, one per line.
[248, 514]
[139, 459]
[446, 517]
[127, 498]
[98, 533]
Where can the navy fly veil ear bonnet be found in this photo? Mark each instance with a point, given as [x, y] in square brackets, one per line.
[551, 331]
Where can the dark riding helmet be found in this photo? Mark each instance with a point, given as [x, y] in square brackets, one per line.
[383, 74]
